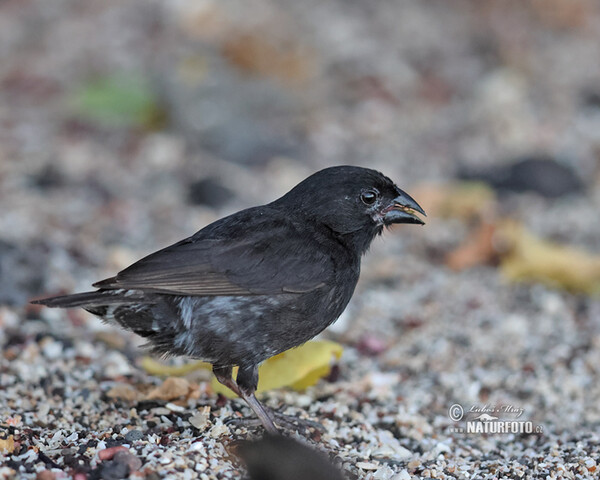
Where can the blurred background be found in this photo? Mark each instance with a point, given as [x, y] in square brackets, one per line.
[128, 125]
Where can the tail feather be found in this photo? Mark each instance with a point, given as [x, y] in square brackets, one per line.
[87, 299]
[146, 314]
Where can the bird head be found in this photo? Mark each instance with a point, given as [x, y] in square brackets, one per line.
[354, 202]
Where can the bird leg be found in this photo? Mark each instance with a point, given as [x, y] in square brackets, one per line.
[224, 376]
[244, 387]
[247, 381]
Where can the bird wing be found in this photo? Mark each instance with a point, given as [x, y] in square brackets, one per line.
[256, 257]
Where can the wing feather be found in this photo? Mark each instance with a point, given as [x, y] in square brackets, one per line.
[246, 258]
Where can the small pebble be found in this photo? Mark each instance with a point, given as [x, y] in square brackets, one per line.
[123, 391]
[160, 411]
[45, 475]
[114, 471]
[175, 408]
[171, 388]
[219, 430]
[367, 466]
[402, 475]
[133, 436]
[125, 457]
[52, 349]
[199, 421]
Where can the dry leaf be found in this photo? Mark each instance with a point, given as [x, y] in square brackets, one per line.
[532, 259]
[282, 59]
[123, 391]
[170, 389]
[525, 257]
[298, 368]
[465, 200]
[478, 249]
[7, 444]
[571, 15]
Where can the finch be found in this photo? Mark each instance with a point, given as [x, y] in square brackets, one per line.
[255, 283]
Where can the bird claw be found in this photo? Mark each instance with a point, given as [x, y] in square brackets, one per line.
[287, 423]
[294, 424]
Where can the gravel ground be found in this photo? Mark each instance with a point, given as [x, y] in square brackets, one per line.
[250, 98]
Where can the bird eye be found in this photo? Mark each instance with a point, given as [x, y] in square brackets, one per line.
[368, 197]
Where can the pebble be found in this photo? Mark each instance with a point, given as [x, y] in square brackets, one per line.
[402, 475]
[117, 365]
[175, 408]
[390, 447]
[127, 458]
[200, 419]
[219, 430]
[367, 466]
[114, 471]
[109, 453]
[45, 475]
[171, 389]
[133, 436]
[160, 411]
[52, 349]
[384, 473]
[123, 391]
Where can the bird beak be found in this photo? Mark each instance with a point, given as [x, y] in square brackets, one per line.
[402, 210]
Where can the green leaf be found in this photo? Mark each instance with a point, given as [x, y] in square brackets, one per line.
[118, 101]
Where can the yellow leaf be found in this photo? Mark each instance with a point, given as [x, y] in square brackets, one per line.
[298, 368]
[154, 367]
[529, 258]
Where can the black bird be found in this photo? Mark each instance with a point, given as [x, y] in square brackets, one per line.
[255, 283]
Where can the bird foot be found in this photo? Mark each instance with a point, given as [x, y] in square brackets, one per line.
[287, 423]
[295, 424]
